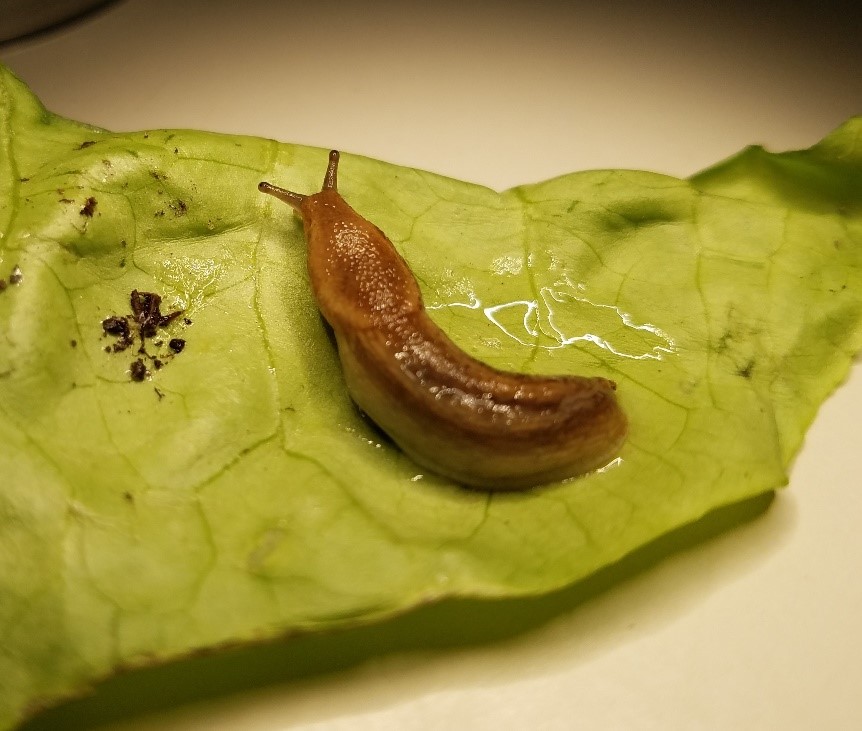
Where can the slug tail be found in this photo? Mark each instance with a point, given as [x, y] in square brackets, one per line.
[288, 196]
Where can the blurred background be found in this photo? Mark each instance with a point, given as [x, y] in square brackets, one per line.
[519, 91]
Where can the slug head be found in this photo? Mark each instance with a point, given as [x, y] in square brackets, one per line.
[296, 200]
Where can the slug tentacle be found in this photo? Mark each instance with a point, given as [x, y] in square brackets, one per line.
[448, 411]
[330, 180]
[288, 196]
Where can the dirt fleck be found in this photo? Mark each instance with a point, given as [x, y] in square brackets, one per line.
[118, 326]
[179, 207]
[138, 370]
[89, 207]
[17, 276]
[146, 309]
[73, 343]
[3, 284]
[85, 144]
[177, 345]
[160, 394]
[746, 370]
[142, 326]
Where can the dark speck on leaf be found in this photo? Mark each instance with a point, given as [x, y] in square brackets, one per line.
[159, 214]
[89, 207]
[114, 325]
[747, 370]
[23, 180]
[66, 200]
[128, 497]
[138, 370]
[3, 284]
[73, 343]
[159, 394]
[146, 309]
[187, 320]
[87, 143]
[144, 322]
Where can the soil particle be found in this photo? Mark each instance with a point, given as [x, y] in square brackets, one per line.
[138, 370]
[89, 207]
[143, 327]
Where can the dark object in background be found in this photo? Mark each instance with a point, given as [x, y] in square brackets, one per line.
[22, 17]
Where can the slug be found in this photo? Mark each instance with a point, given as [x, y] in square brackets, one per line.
[449, 412]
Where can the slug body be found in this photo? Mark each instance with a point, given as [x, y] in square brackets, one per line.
[448, 411]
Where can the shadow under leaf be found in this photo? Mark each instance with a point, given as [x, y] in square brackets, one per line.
[449, 624]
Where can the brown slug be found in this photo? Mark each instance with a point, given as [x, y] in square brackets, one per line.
[448, 411]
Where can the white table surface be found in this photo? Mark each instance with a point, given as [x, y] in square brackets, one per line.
[757, 628]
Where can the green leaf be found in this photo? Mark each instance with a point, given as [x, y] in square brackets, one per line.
[237, 494]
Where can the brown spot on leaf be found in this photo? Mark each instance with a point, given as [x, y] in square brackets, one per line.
[138, 370]
[89, 207]
[144, 322]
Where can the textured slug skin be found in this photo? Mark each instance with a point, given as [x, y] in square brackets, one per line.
[449, 412]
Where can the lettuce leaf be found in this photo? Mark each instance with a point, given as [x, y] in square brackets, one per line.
[236, 494]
